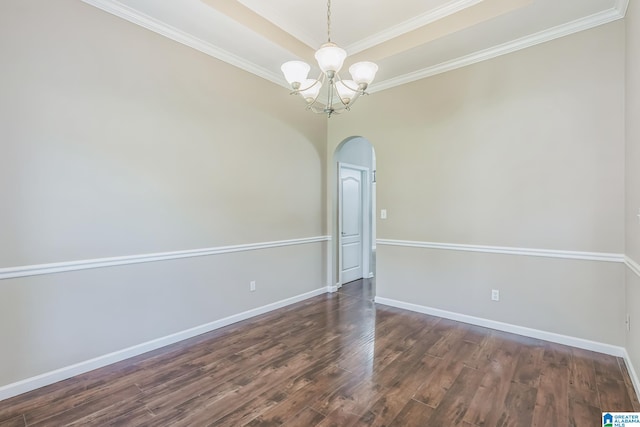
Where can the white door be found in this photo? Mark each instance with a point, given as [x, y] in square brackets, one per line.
[351, 224]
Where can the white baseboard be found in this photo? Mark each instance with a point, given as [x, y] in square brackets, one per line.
[29, 384]
[507, 327]
[632, 372]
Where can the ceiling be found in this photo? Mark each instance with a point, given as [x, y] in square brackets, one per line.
[408, 39]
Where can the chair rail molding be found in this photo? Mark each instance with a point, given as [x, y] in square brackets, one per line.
[548, 253]
[59, 267]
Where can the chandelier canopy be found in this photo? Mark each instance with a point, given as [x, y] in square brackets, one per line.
[341, 94]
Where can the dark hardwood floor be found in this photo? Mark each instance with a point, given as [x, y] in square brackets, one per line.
[340, 360]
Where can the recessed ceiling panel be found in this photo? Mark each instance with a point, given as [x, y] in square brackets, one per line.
[351, 21]
[521, 25]
[259, 35]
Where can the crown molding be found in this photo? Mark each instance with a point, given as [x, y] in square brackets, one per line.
[617, 12]
[125, 12]
[621, 6]
[60, 267]
[601, 18]
[410, 25]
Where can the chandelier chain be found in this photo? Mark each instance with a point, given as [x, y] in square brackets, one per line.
[329, 20]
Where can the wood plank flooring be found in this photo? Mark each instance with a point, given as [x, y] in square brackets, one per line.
[340, 360]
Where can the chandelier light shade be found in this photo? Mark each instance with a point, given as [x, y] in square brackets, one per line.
[330, 57]
[363, 72]
[345, 91]
[295, 72]
[341, 94]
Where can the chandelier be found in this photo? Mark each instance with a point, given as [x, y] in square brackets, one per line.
[341, 94]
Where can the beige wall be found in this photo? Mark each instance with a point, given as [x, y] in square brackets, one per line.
[632, 171]
[114, 132]
[525, 150]
[53, 321]
[563, 296]
[117, 141]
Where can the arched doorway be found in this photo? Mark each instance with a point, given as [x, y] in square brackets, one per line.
[354, 201]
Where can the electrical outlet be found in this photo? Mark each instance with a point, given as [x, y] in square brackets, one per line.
[495, 295]
[252, 286]
[383, 214]
[628, 322]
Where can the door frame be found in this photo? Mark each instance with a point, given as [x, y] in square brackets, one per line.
[365, 209]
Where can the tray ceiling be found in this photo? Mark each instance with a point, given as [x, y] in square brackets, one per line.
[409, 39]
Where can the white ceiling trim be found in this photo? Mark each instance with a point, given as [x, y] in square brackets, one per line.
[410, 25]
[621, 5]
[604, 17]
[118, 9]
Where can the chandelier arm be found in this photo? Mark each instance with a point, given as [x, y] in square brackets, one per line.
[300, 89]
[315, 109]
[315, 106]
[356, 95]
[343, 107]
[324, 110]
[354, 99]
[320, 81]
[356, 90]
[359, 90]
[346, 106]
